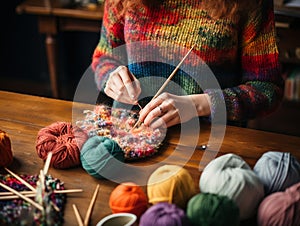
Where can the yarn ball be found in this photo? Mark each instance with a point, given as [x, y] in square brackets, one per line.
[64, 141]
[172, 184]
[5, 150]
[280, 208]
[231, 176]
[206, 209]
[277, 171]
[164, 214]
[129, 198]
[98, 157]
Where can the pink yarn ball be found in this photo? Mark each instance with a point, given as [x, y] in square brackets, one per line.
[64, 141]
[281, 208]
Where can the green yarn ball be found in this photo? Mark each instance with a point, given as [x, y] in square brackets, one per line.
[205, 209]
[101, 157]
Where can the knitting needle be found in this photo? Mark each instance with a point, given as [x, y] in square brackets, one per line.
[55, 191]
[89, 211]
[168, 79]
[22, 196]
[21, 180]
[47, 163]
[77, 215]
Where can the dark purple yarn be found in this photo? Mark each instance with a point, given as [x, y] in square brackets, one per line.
[164, 214]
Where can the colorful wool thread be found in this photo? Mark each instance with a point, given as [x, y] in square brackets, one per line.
[64, 141]
[164, 214]
[231, 176]
[280, 208]
[116, 124]
[172, 184]
[18, 212]
[100, 157]
[5, 150]
[277, 170]
[206, 209]
[129, 198]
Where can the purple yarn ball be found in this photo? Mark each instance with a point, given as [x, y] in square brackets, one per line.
[164, 214]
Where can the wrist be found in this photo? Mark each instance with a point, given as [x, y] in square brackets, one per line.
[202, 103]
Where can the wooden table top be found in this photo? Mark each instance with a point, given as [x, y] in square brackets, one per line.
[22, 116]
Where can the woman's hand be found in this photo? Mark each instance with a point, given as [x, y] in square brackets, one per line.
[123, 86]
[167, 109]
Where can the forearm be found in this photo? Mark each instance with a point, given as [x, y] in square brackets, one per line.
[202, 104]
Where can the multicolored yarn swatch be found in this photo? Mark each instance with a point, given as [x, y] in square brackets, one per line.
[277, 171]
[18, 212]
[172, 184]
[116, 124]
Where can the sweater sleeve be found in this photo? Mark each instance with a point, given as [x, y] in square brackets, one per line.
[104, 59]
[261, 88]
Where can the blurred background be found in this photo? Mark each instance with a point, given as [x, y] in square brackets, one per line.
[23, 65]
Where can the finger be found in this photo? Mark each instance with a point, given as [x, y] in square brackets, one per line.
[167, 120]
[131, 84]
[146, 111]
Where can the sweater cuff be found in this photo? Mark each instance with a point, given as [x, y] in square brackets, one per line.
[218, 107]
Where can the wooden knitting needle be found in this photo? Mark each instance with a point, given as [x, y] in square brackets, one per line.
[168, 80]
[47, 163]
[22, 196]
[21, 180]
[9, 195]
[89, 211]
[77, 215]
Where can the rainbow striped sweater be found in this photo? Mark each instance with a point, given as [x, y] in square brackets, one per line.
[235, 61]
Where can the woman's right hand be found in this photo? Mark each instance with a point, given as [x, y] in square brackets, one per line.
[123, 86]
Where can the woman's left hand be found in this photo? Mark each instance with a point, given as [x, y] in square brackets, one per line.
[167, 109]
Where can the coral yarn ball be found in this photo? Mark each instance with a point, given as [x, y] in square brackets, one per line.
[172, 184]
[280, 208]
[164, 214]
[129, 198]
[6, 155]
[64, 141]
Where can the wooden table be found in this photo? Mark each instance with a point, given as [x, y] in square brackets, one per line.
[53, 18]
[22, 116]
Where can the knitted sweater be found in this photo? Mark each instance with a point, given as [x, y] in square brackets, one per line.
[241, 54]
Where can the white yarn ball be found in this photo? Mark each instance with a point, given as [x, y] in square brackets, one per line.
[231, 176]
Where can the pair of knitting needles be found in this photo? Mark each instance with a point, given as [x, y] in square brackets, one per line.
[166, 82]
[89, 211]
[26, 195]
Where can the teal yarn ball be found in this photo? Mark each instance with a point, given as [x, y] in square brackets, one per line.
[101, 157]
[231, 176]
[205, 209]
